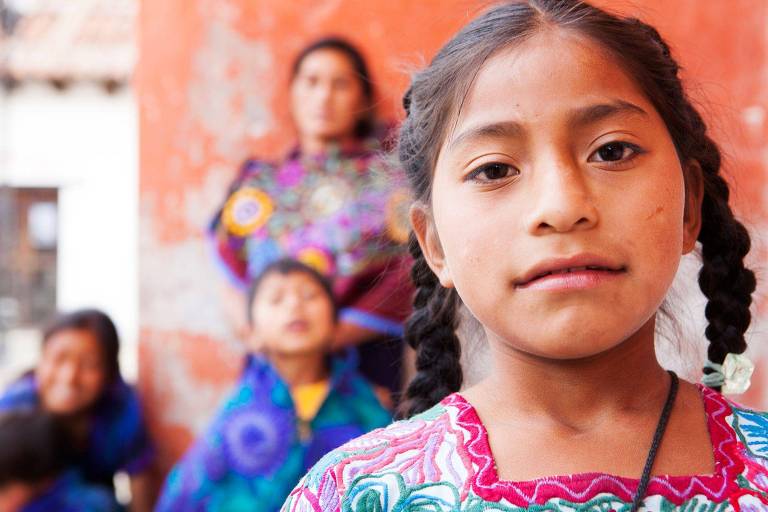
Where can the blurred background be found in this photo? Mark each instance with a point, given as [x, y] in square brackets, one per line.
[68, 170]
[122, 122]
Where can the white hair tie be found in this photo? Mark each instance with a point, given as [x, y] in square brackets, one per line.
[732, 377]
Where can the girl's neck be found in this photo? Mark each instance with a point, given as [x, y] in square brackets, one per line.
[297, 370]
[575, 392]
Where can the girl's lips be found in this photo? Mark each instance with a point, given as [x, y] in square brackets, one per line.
[579, 271]
[572, 279]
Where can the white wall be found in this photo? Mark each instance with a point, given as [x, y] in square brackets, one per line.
[85, 142]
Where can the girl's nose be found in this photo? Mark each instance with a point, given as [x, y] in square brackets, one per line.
[562, 201]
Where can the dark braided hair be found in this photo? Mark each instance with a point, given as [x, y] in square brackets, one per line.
[431, 331]
[433, 103]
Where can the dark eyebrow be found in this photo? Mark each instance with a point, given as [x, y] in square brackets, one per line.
[499, 130]
[595, 113]
[579, 117]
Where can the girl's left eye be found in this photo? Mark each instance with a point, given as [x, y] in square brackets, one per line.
[615, 152]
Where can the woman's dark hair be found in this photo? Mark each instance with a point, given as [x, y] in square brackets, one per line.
[433, 101]
[365, 125]
[284, 267]
[35, 447]
[97, 323]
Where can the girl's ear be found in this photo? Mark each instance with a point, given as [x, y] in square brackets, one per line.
[426, 234]
[694, 195]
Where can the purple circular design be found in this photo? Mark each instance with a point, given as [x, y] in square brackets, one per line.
[256, 441]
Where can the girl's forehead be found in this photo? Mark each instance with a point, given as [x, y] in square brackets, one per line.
[554, 72]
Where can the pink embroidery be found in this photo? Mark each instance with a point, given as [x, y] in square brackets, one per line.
[579, 488]
[411, 449]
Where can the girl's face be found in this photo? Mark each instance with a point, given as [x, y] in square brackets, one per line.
[558, 202]
[327, 97]
[292, 315]
[72, 372]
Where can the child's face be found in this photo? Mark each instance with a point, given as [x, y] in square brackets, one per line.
[580, 175]
[292, 315]
[72, 373]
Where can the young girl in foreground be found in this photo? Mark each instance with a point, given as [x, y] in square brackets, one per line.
[293, 403]
[560, 173]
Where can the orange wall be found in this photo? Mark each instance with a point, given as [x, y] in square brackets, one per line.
[212, 82]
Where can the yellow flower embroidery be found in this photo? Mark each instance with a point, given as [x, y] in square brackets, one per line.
[246, 211]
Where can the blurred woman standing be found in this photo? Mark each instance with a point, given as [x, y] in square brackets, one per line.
[333, 203]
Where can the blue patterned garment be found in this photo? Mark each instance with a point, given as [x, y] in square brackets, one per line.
[118, 438]
[252, 454]
[70, 493]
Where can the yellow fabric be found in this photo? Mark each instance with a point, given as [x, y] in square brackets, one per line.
[308, 398]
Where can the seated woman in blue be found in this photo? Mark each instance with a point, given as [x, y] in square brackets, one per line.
[78, 380]
[293, 403]
[35, 475]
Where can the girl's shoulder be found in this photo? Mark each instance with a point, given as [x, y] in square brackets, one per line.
[749, 426]
[392, 460]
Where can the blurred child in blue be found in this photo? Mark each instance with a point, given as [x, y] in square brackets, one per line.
[294, 402]
[78, 380]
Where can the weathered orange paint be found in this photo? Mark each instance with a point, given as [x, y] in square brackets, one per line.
[199, 67]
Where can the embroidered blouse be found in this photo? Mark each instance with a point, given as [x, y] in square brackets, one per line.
[256, 450]
[441, 460]
[118, 439]
[345, 214]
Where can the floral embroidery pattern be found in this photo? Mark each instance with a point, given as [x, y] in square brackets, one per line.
[247, 210]
[441, 461]
[340, 214]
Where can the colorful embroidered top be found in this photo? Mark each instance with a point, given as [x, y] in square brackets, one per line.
[346, 215]
[118, 439]
[69, 493]
[255, 450]
[440, 460]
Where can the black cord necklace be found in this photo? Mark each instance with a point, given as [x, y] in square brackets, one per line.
[660, 428]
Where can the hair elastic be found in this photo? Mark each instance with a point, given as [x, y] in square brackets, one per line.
[733, 376]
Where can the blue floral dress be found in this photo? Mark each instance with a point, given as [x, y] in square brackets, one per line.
[118, 439]
[70, 493]
[253, 453]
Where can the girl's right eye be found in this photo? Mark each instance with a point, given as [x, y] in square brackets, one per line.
[490, 172]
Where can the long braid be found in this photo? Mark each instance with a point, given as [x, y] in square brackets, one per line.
[724, 280]
[431, 331]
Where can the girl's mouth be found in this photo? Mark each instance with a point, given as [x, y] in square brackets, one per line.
[578, 272]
